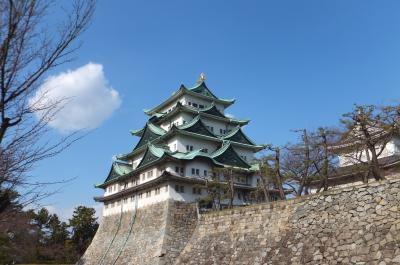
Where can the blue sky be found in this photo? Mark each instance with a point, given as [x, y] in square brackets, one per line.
[290, 65]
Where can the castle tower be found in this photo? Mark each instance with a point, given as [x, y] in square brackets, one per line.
[186, 137]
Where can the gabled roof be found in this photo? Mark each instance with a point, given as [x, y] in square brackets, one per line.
[210, 112]
[237, 135]
[200, 91]
[201, 88]
[152, 154]
[118, 169]
[149, 133]
[155, 129]
[196, 126]
[226, 155]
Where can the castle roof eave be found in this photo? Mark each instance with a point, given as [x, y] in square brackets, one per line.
[183, 90]
[162, 156]
[202, 112]
[165, 176]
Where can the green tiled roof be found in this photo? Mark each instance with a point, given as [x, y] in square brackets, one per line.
[150, 133]
[237, 135]
[200, 90]
[196, 126]
[225, 156]
[154, 128]
[211, 112]
[118, 169]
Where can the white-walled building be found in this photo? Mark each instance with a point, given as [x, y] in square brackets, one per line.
[186, 137]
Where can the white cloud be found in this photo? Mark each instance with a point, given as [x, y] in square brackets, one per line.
[89, 98]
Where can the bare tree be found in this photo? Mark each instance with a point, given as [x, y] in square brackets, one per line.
[299, 164]
[227, 177]
[271, 175]
[324, 158]
[29, 48]
[368, 130]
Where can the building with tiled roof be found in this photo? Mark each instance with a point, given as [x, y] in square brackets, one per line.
[186, 137]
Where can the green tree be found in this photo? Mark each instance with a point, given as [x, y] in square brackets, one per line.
[84, 225]
[58, 231]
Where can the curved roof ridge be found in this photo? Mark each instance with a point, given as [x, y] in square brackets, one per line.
[154, 128]
[237, 130]
[231, 132]
[182, 89]
[226, 146]
[190, 123]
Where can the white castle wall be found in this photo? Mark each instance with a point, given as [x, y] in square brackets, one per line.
[391, 148]
[180, 141]
[149, 197]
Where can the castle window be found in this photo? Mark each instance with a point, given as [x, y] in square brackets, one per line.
[177, 169]
[201, 106]
[205, 150]
[211, 129]
[196, 190]
[205, 172]
[189, 148]
[197, 171]
[157, 191]
[148, 193]
[182, 188]
[190, 103]
[143, 176]
[125, 200]
[195, 105]
[181, 170]
[132, 198]
[177, 188]
[140, 195]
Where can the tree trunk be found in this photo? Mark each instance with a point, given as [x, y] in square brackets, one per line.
[278, 173]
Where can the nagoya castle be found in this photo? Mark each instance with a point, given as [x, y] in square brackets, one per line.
[186, 137]
[150, 193]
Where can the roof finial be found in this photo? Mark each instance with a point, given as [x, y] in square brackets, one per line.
[202, 78]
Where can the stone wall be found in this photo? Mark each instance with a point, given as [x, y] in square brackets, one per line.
[153, 235]
[355, 225]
